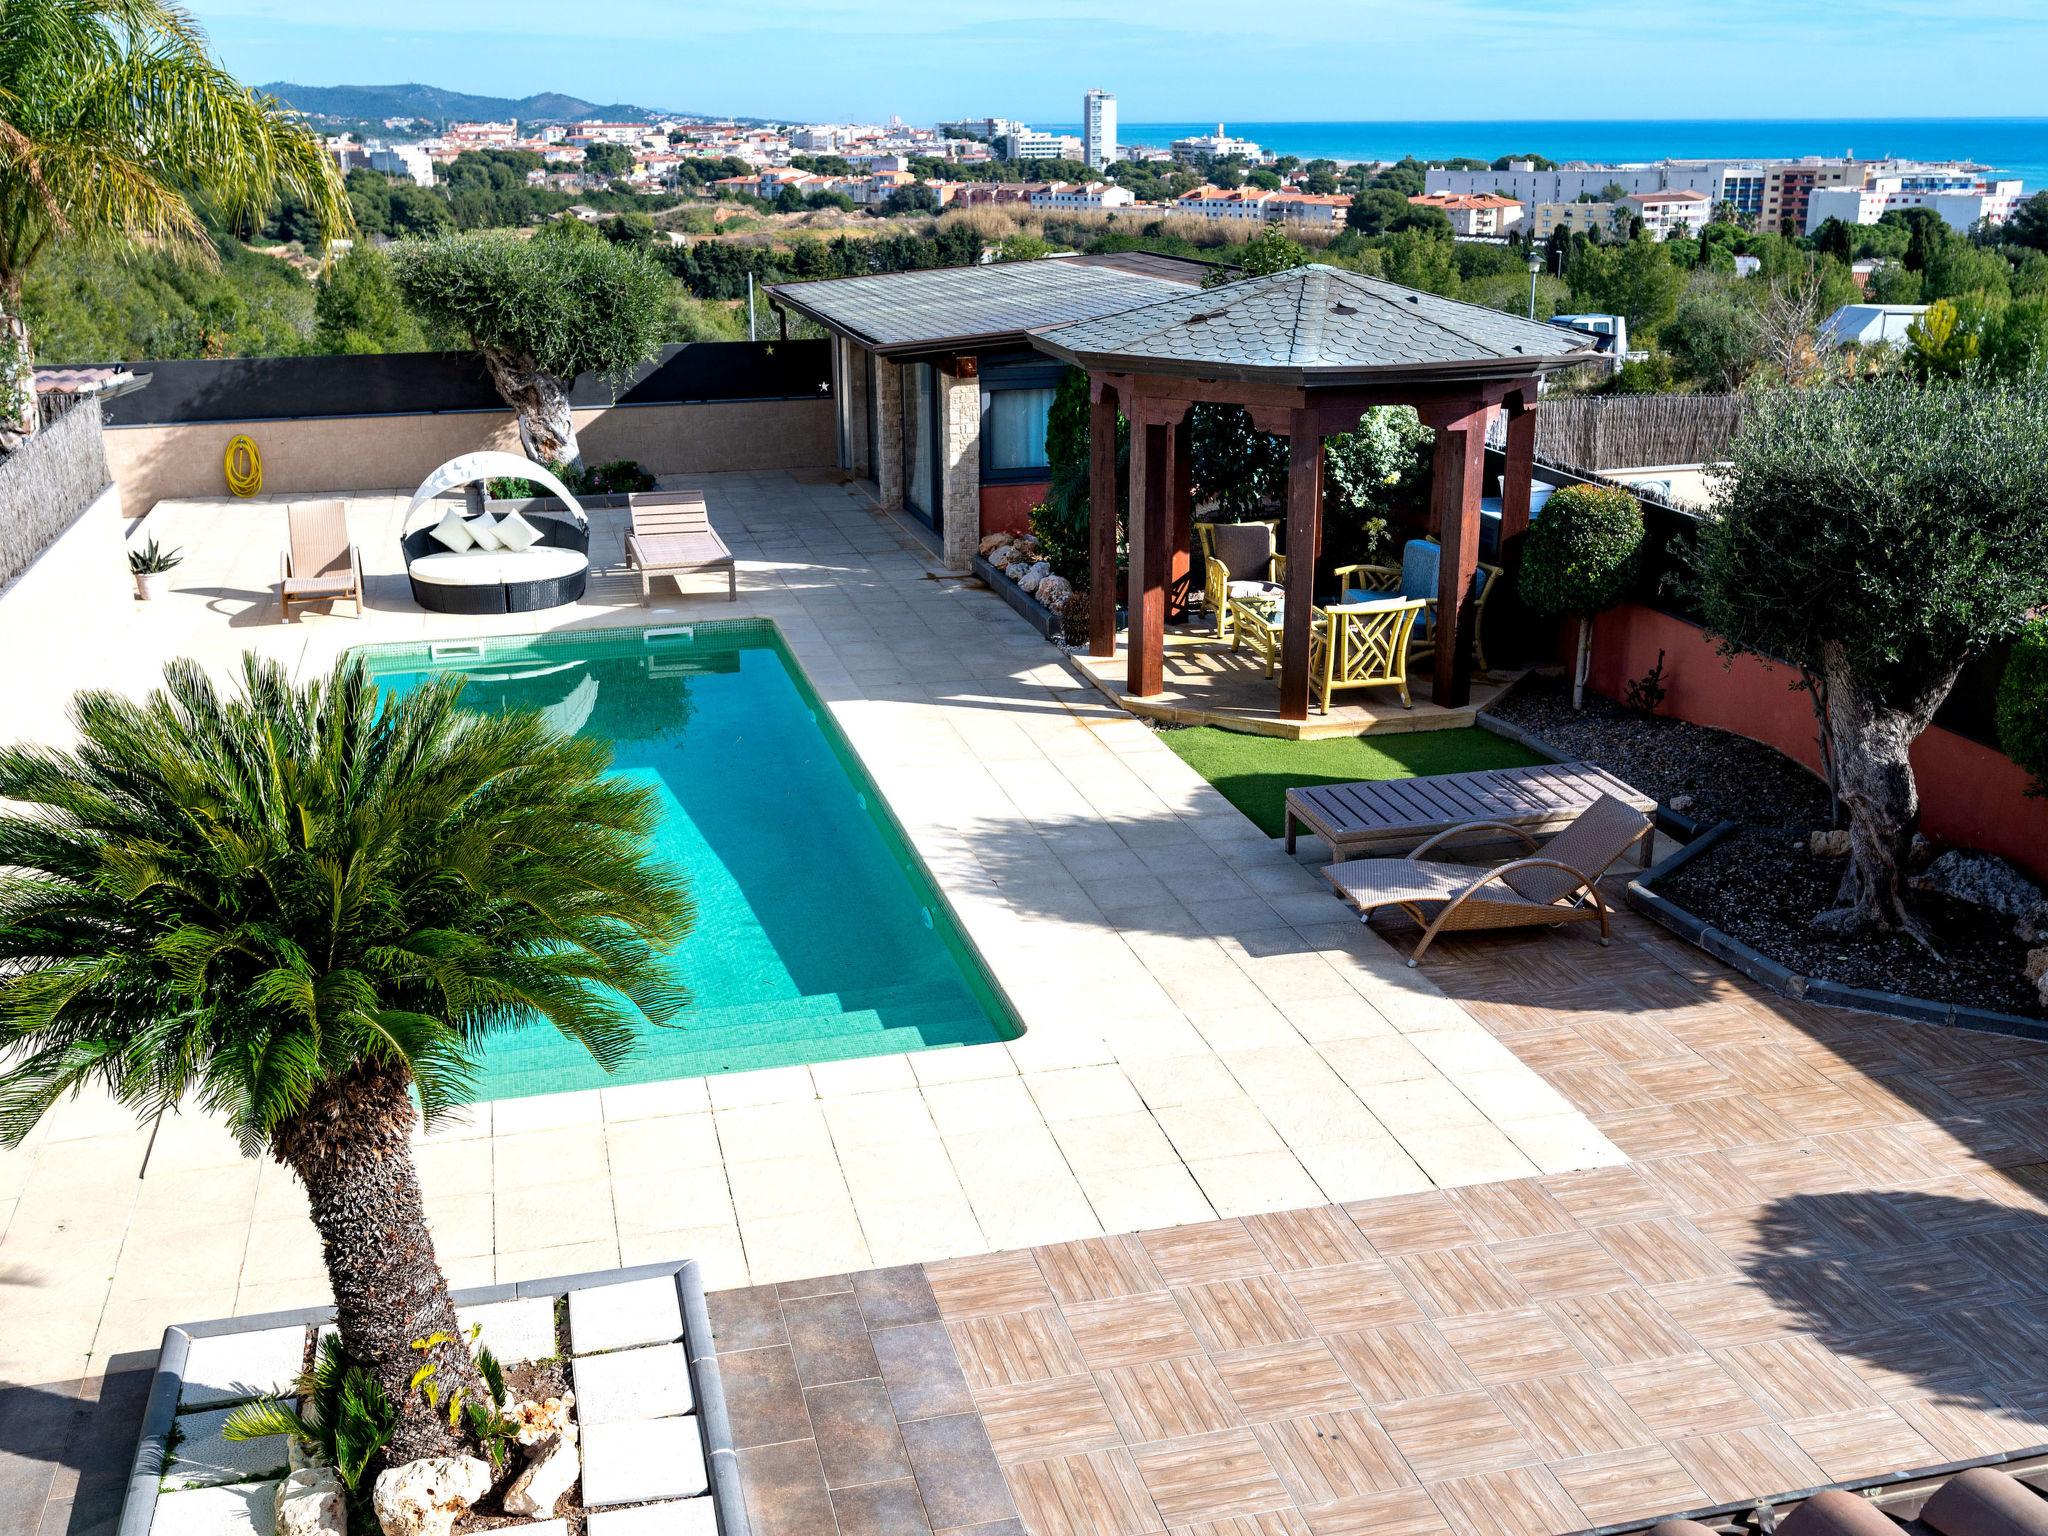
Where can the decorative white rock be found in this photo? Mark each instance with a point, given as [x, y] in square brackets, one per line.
[620, 1316]
[652, 1383]
[311, 1503]
[234, 1367]
[426, 1497]
[518, 1332]
[551, 1469]
[677, 1517]
[648, 1459]
[231, 1511]
[542, 1419]
[1054, 591]
[1036, 573]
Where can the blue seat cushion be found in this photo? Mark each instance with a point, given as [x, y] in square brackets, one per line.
[1419, 560]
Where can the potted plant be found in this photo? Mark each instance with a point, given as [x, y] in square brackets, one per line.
[150, 564]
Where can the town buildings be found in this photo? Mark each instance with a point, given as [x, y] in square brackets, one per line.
[1030, 144]
[1482, 215]
[1964, 198]
[1594, 218]
[1217, 146]
[1681, 211]
[1098, 129]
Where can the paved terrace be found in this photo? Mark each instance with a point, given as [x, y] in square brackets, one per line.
[1479, 1287]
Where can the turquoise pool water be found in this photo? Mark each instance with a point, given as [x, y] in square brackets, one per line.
[818, 935]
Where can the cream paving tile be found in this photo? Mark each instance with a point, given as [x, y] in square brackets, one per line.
[671, 1200]
[635, 1147]
[791, 1128]
[717, 1250]
[771, 1085]
[564, 1213]
[1021, 1213]
[1028, 1153]
[884, 1118]
[989, 1104]
[895, 1172]
[549, 1157]
[1219, 1128]
[796, 1247]
[547, 1263]
[962, 1064]
[642, 1101]
[862, 1075]
[1363, 1169]
[775, 1187]
[547, 1112]
[1254, 1182]
[941, 1226]
[1476, 1153]
[1109, 1142]
[1141, 1199]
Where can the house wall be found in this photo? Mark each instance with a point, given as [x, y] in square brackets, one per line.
[959, 466]
[393, 452]
[1970, 795]
[889, 434]
[1007, 508]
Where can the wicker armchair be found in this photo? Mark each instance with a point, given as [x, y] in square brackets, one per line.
[1362, 645]
[1416, 576]
[1263, 570]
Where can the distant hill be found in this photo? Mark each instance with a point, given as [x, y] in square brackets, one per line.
[376, 102]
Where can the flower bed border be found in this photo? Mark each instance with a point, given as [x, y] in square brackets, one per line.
[714, 1426]
[1036, 614]
[1754, 963]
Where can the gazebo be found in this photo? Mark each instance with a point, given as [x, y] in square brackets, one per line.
[1306, 352]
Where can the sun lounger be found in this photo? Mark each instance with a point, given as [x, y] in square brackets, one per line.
[672, 536]
[320, 564]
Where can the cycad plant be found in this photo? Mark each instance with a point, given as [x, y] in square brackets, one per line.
[114, 123]
[302, 908]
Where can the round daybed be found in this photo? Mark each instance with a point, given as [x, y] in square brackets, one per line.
[551, 572]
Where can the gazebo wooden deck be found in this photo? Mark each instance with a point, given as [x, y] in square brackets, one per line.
[1306, 352]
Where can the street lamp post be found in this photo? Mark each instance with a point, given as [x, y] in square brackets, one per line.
[1535, 266]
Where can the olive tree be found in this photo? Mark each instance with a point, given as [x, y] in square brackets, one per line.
[541, 311]
[1579, 559]
[1879, 537]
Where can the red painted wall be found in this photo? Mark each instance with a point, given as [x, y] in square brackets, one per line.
[1969, 794]
[1007, 508]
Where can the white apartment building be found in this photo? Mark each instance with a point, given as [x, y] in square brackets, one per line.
[1482, 215]
[1098, 130]
[483, 135]
[1092, 196]
[408, 160]
[1311, 210]
[1249, 203]
[1579, 218]
[1217, 146]
[1962, 198]
[1030, 144]
[1665, 214]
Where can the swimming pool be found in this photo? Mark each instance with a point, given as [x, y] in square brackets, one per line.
[818, 935]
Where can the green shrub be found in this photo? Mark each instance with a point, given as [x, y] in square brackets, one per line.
[2023, 704]
[1580, 558]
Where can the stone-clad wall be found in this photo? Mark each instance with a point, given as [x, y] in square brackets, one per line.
[47, 482]
[960, 462]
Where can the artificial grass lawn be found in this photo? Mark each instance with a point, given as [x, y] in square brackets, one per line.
[1255, 772]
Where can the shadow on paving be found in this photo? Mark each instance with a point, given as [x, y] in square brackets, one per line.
[66, 1449]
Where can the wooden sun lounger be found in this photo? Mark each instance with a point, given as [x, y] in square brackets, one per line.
[672, 536]
[1393, 815]
[320, 564]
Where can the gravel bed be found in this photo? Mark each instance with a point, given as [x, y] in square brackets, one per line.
[1760, 884]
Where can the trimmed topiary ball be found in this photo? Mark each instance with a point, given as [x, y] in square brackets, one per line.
[2023, 704]
[1580, 558]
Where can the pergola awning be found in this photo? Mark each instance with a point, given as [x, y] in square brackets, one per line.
[1306, 351]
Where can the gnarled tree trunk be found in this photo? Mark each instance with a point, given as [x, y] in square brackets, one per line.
[351, 1147]
[1872, 737]
[547, 427]
[19, 417]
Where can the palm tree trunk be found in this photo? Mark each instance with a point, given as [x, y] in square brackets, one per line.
[351, 1147]
[19, 417]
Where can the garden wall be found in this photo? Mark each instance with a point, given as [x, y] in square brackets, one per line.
[1970, 794]
[383, 423]
[48, 481]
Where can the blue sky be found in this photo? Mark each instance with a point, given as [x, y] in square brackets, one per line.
[1316, 59]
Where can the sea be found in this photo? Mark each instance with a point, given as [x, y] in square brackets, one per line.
[2017, 146]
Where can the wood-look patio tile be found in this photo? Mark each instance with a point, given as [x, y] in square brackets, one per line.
[1644, 1134]
[1128, 1329]
[1755, 1462]
[1761, 1068]
[1596, 1196]
[1566, 1417]
[1406, 1360]
[1567, 1264]
[1095, 1494]
[1721, 1314]
[1349, 1296]
[1001, 1349]
[1514, 1208]
[1515, 1501]
[995, 1282]
[1454, 1282]
[1287, 1380]
[1038, 1419]
[1737, 1123]
[1243, 1313]
[1624, 1326]
[1275, 1522]
[1310, 1239]
[1449, 1436]
[1210, 1477]
[1409, 1223]
[1864, 1442]
[1211, 1250]
[1686, 1395]
[1796, 1377]
[1699, 1183]
[1663, 1250]
[1098, 1268]
[1505, 1346]
[1963, 1431]
[1791, 1169]
[1681, 1078]
[1603, 1088]
[1628, 1485]
[1325, 1458]
[1168, 1399]
[1404, 1512]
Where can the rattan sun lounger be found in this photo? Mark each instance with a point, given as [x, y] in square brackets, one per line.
[672, 536]
[320, 564]
[1557, 883]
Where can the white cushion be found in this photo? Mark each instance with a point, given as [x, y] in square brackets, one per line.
[454, 532]
[515, 532]
[1257, 589]
[485, 531]
[472, 568]
[543, 562]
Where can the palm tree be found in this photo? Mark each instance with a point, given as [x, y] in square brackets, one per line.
[114, 121]
[299, 907]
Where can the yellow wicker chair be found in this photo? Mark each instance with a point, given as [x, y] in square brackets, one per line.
[1362, 645]
[1387, 578]
[1217, 578]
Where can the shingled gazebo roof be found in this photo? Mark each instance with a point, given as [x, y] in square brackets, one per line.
[1315, 326]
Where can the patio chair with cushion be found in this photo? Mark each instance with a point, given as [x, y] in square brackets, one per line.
[1239, 560]
[1557, 883]
[319, 564]
[1416, 576]
[1362, 645]
[672, 536]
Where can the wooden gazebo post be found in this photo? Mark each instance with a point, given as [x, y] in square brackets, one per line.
[1102, 412]
[1304, 539]
[1457, 473]
[1521, 463]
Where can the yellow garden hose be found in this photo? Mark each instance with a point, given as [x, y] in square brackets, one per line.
[244, 466]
